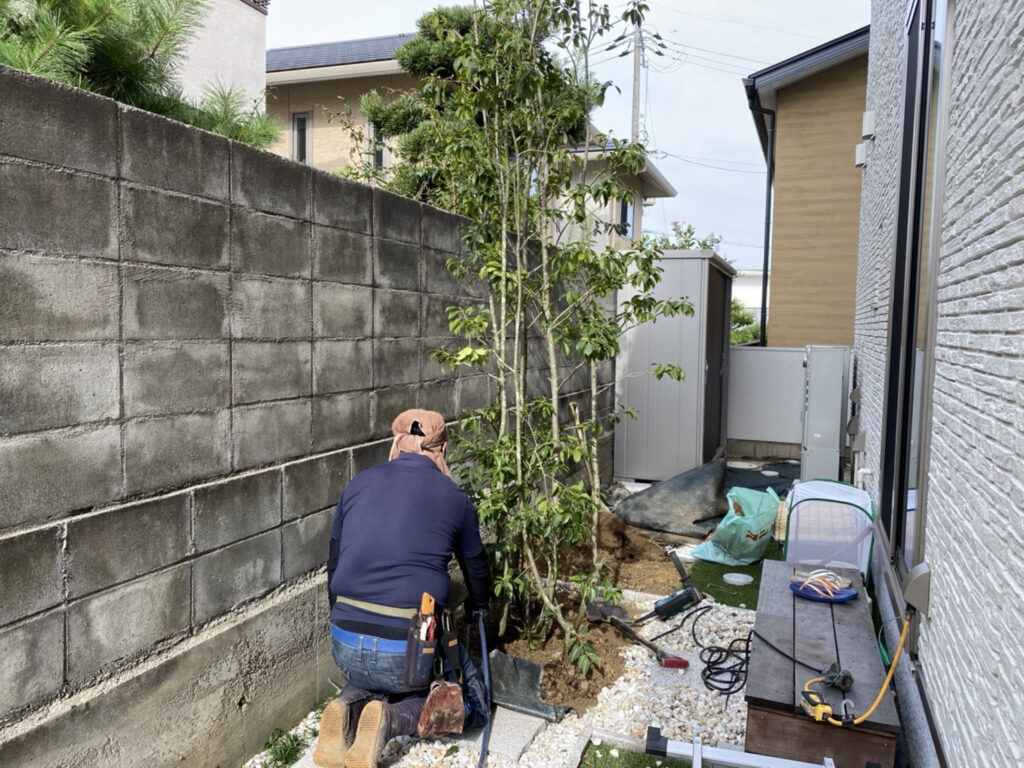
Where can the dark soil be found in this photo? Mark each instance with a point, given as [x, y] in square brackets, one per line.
[637, 561]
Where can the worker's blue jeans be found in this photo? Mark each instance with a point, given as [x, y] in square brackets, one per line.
[365, 665]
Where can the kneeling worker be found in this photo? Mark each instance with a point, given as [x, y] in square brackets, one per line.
[395, 529]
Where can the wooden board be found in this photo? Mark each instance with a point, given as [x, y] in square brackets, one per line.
[817, 634]
[770, 732]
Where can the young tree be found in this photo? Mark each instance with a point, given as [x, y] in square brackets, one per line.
[743, 329]
[500, 132]
[127, 50]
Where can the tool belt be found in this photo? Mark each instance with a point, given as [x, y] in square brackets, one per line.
[430, 642]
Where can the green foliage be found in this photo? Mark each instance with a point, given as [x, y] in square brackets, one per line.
[743, 328]
[500, 132]
[128, 50]
[283, 749]
[684, 238]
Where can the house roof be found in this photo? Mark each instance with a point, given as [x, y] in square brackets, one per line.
[650, 182]
[762, 86]
[331, 61]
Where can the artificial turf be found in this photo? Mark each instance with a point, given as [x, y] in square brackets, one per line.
[709, 579]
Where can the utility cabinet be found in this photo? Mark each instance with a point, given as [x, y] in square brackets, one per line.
[680, 425]
[826, 398]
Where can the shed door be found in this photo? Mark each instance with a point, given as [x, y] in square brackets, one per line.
[715, 351]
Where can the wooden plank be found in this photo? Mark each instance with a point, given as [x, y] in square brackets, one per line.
[770, 674]
[858, 653]
[814, 642]
[770, 732]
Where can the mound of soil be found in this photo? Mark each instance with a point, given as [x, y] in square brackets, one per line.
[637, 561]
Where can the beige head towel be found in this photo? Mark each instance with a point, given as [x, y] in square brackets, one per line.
[419, 431]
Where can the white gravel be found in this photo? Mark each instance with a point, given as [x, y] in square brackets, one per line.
[646, 694]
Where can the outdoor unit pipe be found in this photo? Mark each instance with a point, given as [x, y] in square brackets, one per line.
[752, 101]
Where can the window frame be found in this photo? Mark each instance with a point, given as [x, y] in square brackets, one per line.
[911, 253]
[307, 147]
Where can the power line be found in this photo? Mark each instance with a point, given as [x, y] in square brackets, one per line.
[734, 21]
[705, 165]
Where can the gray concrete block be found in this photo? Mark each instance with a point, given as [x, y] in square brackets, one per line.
[34, 198]
[341, 256]
[342, 203]
[125, 620]
[44, 476]
[342, 311]
[30, 573]
[397, 265]
[270, 308]
[395, 361]
[149, 215]
[437, 278]
[32, 664]
[340, 420]
[475, 392]
[171, 304]
[435, 314]
[341, 366]
[304, 544]
[267, 370]
[270, 245]
[162, 378]
[56, 386]
[442, 230]
[314, 484]
[118, 544]
[511, 735]
[170, 155]
[269, 433]
[254, 672]
[440, 396]
[236, 508]
[396, 313]
[268, 182]
[46, 299]
[239, 572]
[53, 123]
[390, 402]
[366, 456]
[396, 217]
[171, 451]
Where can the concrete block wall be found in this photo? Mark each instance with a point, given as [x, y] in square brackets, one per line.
[969, 644]
[199, 344]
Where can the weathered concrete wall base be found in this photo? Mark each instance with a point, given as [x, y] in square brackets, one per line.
[209, 701]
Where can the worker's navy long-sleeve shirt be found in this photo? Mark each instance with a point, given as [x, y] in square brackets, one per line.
[395, 529]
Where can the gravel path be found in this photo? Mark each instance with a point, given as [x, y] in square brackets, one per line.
[646, 694]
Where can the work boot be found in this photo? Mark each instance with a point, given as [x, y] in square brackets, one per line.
[379, 723]
[338, 727]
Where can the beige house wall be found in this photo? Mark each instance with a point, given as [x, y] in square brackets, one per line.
[817, 208]
[333, 106]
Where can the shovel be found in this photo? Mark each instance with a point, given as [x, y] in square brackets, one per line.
[603, 611]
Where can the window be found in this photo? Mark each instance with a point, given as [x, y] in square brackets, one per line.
[379, 156]
[624, 226]
[302, 137]
[907, 416]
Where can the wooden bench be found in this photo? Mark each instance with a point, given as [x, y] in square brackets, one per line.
[817, 634]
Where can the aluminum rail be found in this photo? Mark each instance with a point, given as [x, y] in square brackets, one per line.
[699, 755]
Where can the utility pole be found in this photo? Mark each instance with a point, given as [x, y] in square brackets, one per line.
[637, 45]
[638, 202]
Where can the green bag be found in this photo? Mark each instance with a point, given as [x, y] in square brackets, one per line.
[743, 535]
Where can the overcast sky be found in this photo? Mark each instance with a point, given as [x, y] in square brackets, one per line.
[694, 116]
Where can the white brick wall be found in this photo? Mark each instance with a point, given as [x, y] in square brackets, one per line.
[971, 647]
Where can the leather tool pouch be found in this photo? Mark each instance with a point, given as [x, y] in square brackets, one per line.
[443, 712]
